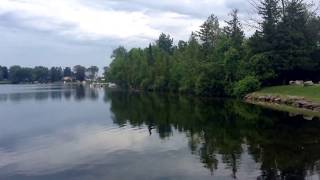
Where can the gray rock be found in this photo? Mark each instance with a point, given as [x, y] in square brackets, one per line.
[277, 100]
[299, 82]
[308, 83]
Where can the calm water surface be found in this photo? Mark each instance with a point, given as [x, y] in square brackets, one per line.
[73, 132]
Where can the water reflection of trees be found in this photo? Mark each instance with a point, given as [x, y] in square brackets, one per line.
[56, 92]
[286, 147]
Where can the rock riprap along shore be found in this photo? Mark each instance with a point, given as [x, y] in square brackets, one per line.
[293, 101]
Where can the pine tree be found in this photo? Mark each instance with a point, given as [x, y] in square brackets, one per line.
[234, 30]
[208, 34]
[293, 46]
[150, 55]
[264, 42]
[165, 42]
[270, 12]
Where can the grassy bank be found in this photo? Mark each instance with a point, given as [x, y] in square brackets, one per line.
[311, 93]
[298, 100]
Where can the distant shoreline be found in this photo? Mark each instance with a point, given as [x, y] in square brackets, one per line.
[5, 82]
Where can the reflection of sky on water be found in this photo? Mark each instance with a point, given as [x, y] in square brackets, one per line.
[39, 138]
[90, 149]
[72, 132]
[68, 147]
[54, 132]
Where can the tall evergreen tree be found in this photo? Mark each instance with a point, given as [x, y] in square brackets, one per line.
[165, 42]
[234, 30]
[150, 55]
[264, 42]
[270, 12]
[208, 34]
[294, 43]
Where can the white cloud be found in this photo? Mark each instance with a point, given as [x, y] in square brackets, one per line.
[73, 18]
[105, 24]
[114, 19]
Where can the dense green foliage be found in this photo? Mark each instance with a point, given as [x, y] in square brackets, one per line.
[17, 74]
[67, 72]
[217, 61]
[79, 72]
[92, 72]
[245, 86]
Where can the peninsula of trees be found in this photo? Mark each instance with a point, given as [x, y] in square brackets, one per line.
[222, 61]
[17, 74]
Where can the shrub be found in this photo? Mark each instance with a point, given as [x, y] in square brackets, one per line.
[245, 86]
[261, 65]
[206, 86]
[146, 84]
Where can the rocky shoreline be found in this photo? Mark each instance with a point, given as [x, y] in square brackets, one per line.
[292, 101]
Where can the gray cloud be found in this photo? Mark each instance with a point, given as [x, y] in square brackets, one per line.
[70, 32]
[30, 48]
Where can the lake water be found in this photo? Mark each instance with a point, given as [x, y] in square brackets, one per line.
[58, 132]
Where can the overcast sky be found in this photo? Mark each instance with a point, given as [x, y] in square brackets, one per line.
[70, 32]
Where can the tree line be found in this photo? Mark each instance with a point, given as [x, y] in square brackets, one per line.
[222, 61]
[17, 74]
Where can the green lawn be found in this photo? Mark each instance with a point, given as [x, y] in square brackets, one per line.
[310, 92]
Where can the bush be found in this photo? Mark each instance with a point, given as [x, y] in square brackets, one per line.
[206, 86]
[146, 84]
[245, 86]
[261, 65]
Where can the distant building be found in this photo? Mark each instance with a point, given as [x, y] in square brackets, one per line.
[68, 79]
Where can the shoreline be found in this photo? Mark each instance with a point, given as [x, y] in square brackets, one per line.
[294, 103]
